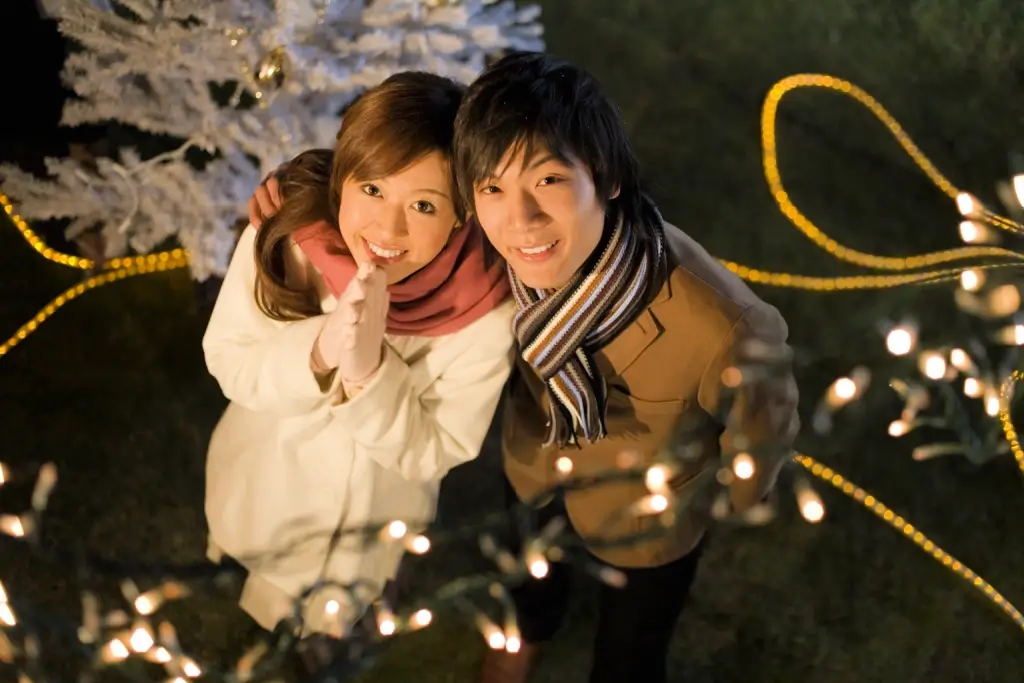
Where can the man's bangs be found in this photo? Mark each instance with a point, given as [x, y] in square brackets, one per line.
[487, 162]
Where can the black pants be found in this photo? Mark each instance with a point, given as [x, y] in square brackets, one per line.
[634, 624]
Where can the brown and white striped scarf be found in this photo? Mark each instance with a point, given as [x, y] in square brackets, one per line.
[558, 330]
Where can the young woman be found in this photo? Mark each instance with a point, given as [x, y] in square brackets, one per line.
[362, 336]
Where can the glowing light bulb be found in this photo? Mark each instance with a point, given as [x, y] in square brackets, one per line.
[743, 466]
[422, 618]
[419, 545]
[114, 651]
[969, 231]
[992, 405]
[141, 640]
[397, 529]
[536, 563]
[1018, 188]
[972, 388]
[900, 341]
[971, 280]
[5, 474]
[809, 502]
[332, 607]
[966, 204]
[845, 388]
[513, 644]
[386, 626]
[933, 365]
[959, 359]
[813, 511]
[1012, 335]
[656, 478]
[145, 604]
[12, 526]
[7, 615]
[564, 466]
[496, 640]
[898, 428]
[190, 668]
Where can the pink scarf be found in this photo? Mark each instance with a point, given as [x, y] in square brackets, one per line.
[444, 296]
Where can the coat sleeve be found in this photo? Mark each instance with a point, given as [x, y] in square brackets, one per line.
[422, 435]
[260, 363]
[762, 419]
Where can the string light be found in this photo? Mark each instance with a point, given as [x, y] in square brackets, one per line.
[910, 532]
[967, 204]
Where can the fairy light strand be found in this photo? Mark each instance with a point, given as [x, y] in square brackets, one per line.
[1009, 430]
[812, 232]
[910, 532]
[71, 261]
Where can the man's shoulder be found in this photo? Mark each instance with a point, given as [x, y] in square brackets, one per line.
[702, 295]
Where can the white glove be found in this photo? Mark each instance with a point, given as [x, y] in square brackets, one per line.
[352, 339]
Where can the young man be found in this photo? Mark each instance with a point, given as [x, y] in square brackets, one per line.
[625, 328]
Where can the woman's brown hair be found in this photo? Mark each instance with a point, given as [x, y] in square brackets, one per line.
[386, 130]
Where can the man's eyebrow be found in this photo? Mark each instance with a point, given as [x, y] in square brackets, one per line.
[543, 160]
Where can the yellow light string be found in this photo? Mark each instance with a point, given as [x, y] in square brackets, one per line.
[37, 243]
[1009, 430]
[909, 531]
[854, 282]
[114, 269]
[808, 228]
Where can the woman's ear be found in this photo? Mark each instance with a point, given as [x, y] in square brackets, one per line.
[615, 193]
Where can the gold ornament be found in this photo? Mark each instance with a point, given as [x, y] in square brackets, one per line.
[271, 71]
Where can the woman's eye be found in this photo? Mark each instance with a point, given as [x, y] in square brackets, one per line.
[549, 180]
[424, 206]
[489, 189]
[371, 190]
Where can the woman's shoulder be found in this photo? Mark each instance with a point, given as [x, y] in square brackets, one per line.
[490, 334]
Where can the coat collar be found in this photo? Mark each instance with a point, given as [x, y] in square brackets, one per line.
[630, 343]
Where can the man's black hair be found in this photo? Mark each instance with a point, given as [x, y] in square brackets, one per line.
[539, 103]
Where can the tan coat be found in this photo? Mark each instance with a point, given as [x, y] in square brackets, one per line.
[664, 367]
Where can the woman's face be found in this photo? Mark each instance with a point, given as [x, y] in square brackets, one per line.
[400, 222]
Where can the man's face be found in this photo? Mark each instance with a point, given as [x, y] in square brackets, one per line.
[542, 214]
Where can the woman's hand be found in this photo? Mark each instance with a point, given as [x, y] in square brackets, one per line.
[353, 336]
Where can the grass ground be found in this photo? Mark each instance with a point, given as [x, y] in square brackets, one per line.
[114, 390]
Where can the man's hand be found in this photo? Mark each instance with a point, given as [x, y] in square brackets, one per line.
[266, 200]
[353, 336]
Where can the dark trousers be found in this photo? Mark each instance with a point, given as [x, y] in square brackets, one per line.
[634, 623]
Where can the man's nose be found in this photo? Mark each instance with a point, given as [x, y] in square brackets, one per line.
[525, 213]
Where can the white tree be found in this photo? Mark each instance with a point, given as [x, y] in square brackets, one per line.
[251, 82]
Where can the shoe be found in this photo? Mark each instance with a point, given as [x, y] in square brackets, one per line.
[500, 666]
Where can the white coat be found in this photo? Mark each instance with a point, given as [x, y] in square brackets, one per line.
[290, 461]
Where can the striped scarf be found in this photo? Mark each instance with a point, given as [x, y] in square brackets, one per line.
[559, 329]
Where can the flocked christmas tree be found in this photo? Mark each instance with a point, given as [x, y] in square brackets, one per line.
[247, 84]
